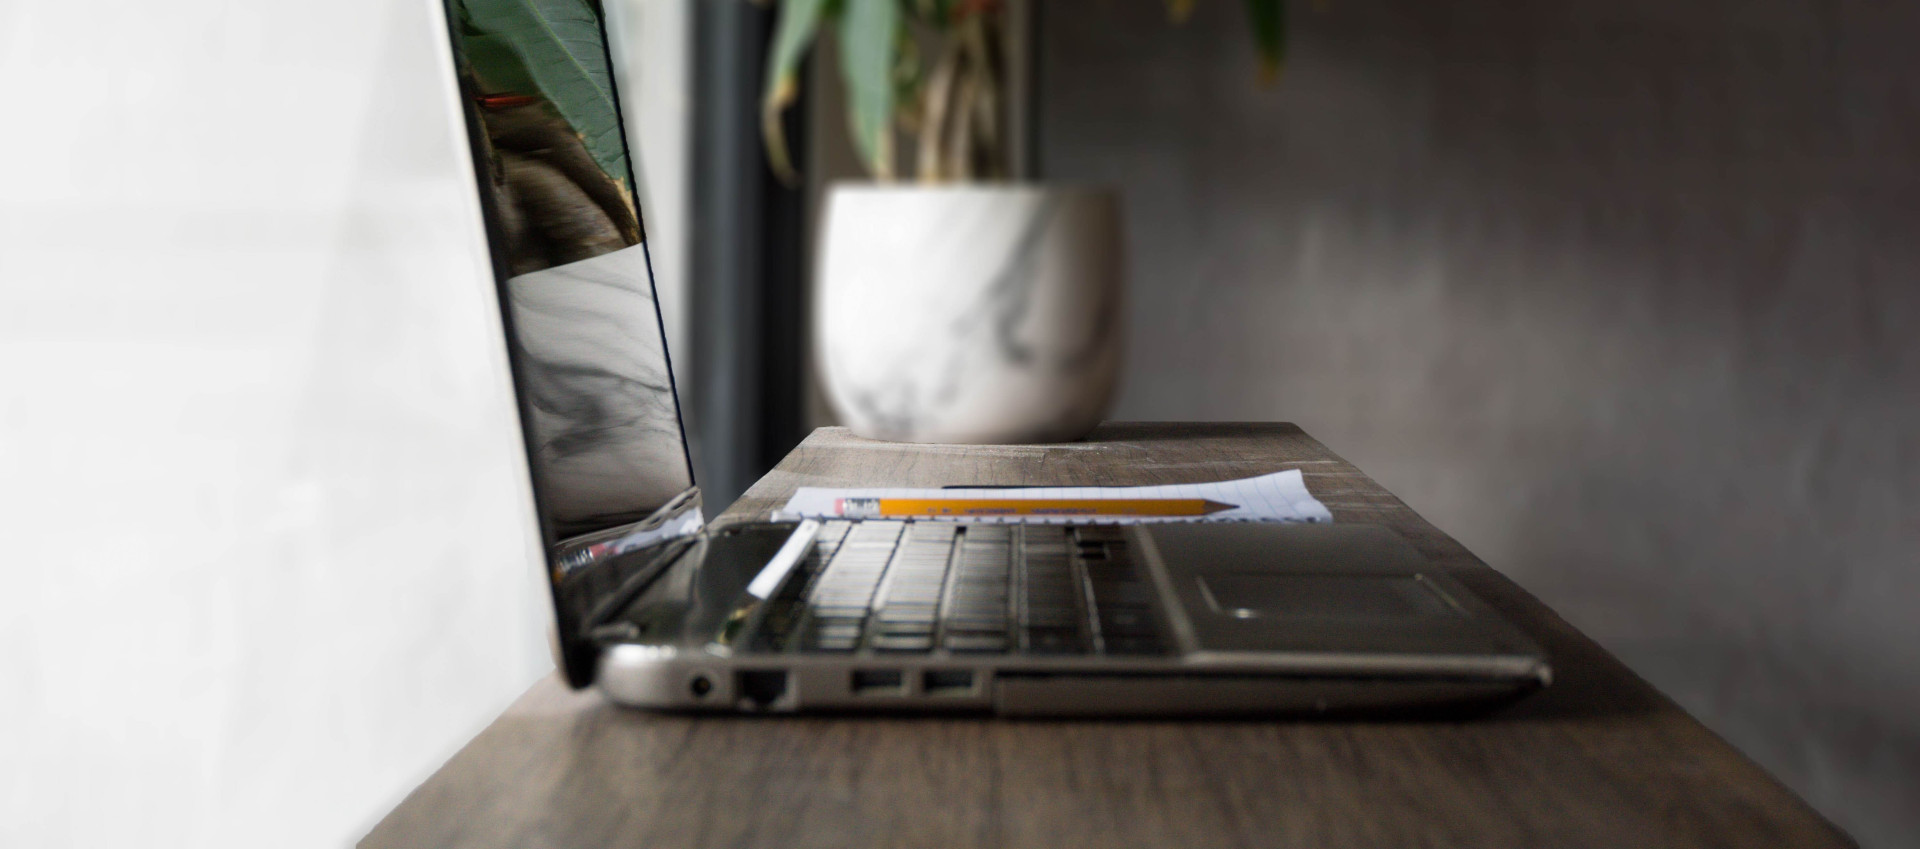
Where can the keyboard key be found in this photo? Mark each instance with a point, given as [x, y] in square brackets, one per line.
[976, 642]
[905, 633]
[1053, 618]
[903, 642]
[1055, 641]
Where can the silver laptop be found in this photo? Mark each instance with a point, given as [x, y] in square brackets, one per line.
[658, 610]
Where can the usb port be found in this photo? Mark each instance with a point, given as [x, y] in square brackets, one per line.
[948, 682]
[879, 682]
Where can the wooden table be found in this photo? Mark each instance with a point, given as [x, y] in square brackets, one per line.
[1598, 759]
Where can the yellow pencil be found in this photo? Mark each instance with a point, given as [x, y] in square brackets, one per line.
[872, 508]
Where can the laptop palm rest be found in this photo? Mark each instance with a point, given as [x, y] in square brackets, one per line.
[1302, 619]
[1318, 589]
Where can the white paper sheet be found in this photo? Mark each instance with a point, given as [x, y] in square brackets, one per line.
[1277, 497]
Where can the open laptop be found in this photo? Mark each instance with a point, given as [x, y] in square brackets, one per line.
[659, 611]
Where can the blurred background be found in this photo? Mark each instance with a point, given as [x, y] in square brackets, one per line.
[1623, 296]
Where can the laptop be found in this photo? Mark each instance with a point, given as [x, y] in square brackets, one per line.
[659, 610]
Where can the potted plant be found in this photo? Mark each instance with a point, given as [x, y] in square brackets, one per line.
[953, 305]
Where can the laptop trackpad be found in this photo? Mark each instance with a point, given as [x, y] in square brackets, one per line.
[1325, 598]
[1311, 588]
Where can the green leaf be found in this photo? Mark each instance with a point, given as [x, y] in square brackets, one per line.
[1269, 21]
[934, 13]
[561, 57]
[799, 21]
[869, 32]
[496, 66]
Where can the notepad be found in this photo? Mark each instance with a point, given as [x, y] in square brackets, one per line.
[1276, 497]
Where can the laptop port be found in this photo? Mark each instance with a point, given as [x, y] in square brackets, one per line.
[948, 682]
[701, 685]
[762, 687]
[879, 682]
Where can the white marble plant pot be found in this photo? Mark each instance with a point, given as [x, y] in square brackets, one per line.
[976, 314]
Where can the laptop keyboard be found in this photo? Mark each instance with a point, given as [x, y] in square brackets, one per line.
[920, 587]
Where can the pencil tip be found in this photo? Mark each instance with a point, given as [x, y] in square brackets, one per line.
[1215, 506]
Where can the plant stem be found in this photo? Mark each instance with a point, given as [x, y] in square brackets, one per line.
[938, 109]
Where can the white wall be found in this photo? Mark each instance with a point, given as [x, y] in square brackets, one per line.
[261, 507]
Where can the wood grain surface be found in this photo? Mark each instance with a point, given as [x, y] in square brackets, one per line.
[1598, 759]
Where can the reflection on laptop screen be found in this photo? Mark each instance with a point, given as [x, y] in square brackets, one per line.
[565, 230]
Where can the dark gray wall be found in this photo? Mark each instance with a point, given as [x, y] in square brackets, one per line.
[1623, 295]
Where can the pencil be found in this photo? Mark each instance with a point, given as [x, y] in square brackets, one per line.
[875, 508]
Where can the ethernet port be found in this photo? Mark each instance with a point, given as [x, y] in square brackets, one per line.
[762, 687]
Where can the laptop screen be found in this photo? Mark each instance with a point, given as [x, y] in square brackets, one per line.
[576, 290]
